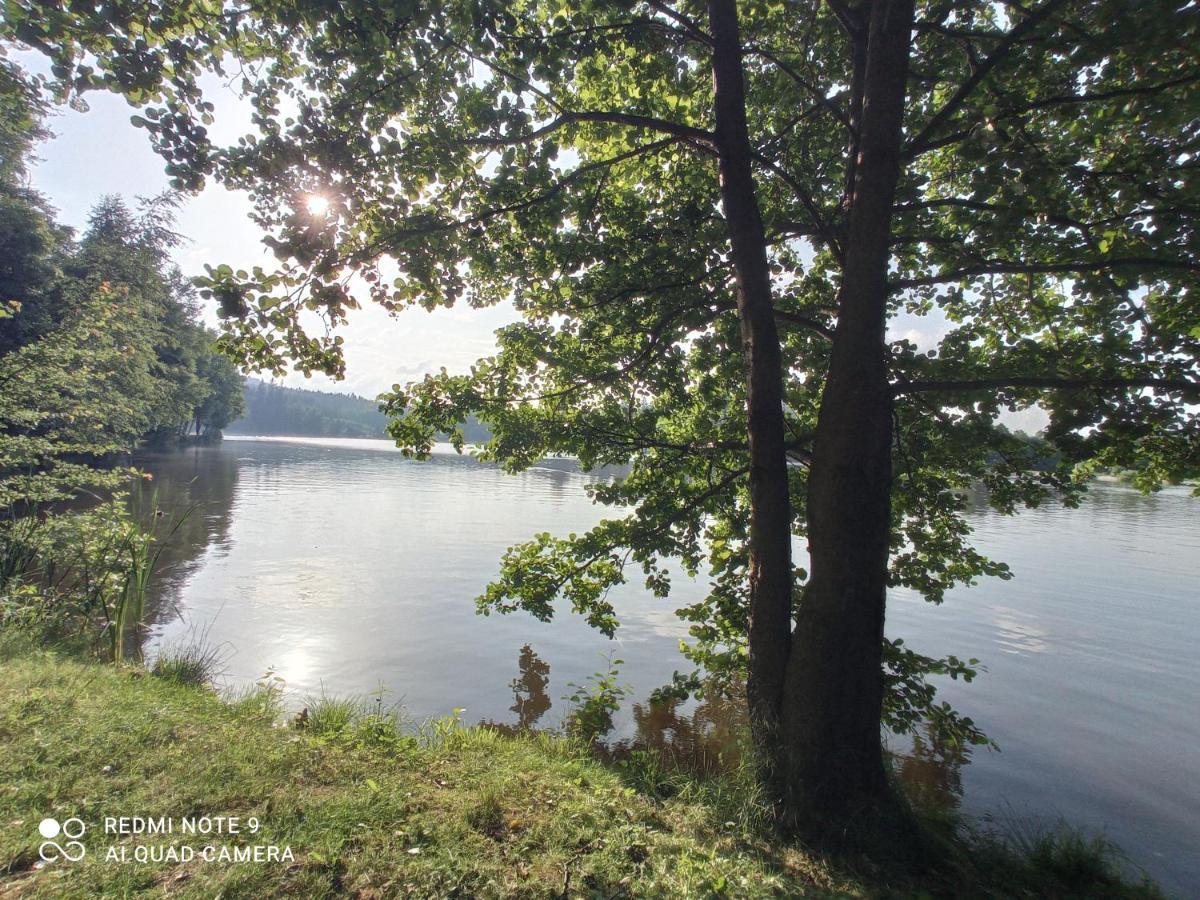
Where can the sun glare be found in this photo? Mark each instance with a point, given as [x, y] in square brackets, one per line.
[317, 205]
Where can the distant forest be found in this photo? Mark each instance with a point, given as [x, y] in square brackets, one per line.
[272, 409]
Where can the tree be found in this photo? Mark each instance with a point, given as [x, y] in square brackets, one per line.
[60, 409]
[106, 324]
[65, 351]
[708, 215]
[275, 409]
[225, 401]
[27, 233]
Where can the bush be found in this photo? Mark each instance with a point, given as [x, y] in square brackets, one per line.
[81, 577]
[593, 703]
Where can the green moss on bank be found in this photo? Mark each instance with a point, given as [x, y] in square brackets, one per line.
[371, 813]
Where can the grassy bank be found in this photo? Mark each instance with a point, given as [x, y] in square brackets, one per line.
[369, 811]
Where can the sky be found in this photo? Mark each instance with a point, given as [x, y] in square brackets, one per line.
[98, 151]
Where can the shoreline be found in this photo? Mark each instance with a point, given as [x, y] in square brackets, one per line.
[336, 804]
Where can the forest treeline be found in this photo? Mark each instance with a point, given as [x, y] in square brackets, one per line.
[101, 347]
[278, 410]
[273, 409]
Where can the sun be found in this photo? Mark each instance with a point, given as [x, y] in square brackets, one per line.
[316, 204]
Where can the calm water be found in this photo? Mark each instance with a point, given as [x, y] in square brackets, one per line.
[346, 568]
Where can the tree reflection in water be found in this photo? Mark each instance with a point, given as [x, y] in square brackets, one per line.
[530, 697]
[704, 739]
[707, 737]
[931, 770]
[188, 503]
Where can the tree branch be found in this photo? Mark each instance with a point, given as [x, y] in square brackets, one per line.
[1050, 102]
[434, 226]
[819, 98]
[791, 318]
[697, 136]
[850, 19]
[1110, 94]
[824, 230]
[1175, 385]
[998, 54]
[1079, 267]
[785, 317]
[1053, 218]
[690, 28]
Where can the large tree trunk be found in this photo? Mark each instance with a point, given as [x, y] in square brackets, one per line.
[816, 694]
[770, 568]
[833, 755]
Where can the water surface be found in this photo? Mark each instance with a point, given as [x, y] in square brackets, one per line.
[343, 567]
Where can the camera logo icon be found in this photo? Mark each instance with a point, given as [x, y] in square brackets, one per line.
[71, 848]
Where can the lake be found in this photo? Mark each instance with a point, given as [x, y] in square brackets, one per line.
[344, 568]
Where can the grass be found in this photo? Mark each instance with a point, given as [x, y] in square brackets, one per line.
[197, 662]
[371, 810]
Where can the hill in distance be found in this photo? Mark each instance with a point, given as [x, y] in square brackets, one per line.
[272, 409]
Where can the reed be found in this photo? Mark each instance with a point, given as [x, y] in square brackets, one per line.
[140, 550]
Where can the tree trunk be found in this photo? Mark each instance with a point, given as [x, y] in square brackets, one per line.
[770, 566]
[816, 693]
[833, 769]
